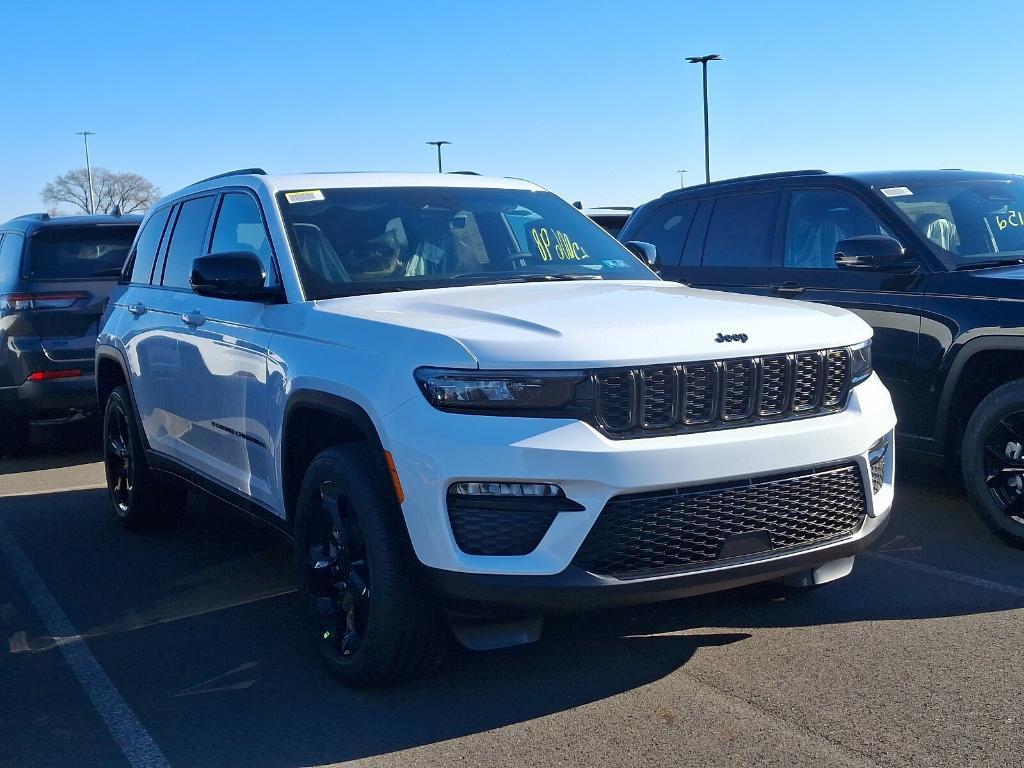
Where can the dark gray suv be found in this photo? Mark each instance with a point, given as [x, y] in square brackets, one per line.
[56, 275]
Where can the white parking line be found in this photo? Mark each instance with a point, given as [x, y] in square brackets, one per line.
[136, 744]
[954, 575]
[37, 492]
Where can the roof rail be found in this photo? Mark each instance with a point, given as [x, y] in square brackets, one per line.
[464, 173]
[239, 172]
[755, 177]
[35, 216]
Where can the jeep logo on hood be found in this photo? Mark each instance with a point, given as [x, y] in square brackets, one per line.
[731, 337]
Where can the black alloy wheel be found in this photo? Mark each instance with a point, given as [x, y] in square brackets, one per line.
[992, 457]
[118, 458]
[338, 574]
[1004, 465]
[138, 497]
[368, 607]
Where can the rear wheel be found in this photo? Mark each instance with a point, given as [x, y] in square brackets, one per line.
[137, 496]
[372, 616]
[992, 458]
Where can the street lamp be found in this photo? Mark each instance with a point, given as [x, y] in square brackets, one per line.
[88, 168]
[703, 61]
[439, 144]
[681, 172]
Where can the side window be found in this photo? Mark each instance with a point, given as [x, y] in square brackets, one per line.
[240, 227]
[667, 229]
[187, 241]
[147, 246]
[739, 234]
[820, 218]
[10, 254]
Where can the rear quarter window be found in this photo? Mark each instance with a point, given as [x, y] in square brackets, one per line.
[10, 255]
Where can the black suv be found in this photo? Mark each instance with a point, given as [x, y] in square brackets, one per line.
[932, 260]
[55, 277]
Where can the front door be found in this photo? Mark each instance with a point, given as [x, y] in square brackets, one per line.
[816, 220]
[224, 346]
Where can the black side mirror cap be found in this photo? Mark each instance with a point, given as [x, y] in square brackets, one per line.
[231, 276]
[874, 252]
[646, 252]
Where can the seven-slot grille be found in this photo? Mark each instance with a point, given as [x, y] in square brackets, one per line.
[668, 399]
[687, 527]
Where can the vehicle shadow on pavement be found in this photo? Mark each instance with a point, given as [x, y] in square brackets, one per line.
[55, 446]
[197, 625]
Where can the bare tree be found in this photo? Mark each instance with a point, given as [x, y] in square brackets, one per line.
[130, 191]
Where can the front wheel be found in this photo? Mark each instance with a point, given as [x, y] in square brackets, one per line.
[992, 459]
[372, 616]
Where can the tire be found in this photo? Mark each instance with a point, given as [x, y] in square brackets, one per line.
[991, 461]
[139, 499]
[370, 612]
[14, 435]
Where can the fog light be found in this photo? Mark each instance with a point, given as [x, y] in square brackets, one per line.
[876, 460]
[506, 489]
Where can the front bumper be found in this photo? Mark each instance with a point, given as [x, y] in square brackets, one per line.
[432, 450]
[576, 589]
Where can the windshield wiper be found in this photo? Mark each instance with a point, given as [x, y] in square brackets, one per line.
[544, 277]
[111, 272]
[990, 263]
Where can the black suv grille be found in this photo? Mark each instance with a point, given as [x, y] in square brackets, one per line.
[683, 527]
[669, 399]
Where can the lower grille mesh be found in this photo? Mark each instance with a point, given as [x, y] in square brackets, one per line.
[674, 529]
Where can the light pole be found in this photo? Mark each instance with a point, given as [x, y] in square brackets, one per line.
[703, 61]
[439, 144]
[681, 172]
[88, 167]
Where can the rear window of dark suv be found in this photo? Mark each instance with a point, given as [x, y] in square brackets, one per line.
[75, 253]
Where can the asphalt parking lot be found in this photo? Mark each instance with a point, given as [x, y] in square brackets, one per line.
[184, 640]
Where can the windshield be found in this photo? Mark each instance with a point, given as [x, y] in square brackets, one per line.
[349, 241]
[67, 253]
[970, 220]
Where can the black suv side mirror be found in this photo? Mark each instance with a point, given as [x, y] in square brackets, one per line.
[231, 276]
[875, 252]
[646, 252]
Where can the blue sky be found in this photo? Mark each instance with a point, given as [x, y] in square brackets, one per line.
[590, 99]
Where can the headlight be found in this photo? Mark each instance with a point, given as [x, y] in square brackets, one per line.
[500, 391]
[860, 362]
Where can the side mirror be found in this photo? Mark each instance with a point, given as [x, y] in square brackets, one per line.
[874, 252]
[646, 252]
[231, 276]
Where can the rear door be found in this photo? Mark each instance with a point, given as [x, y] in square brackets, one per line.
[730, 241]
[815, 219]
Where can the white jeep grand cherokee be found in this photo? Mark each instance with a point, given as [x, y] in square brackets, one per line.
[469, 405]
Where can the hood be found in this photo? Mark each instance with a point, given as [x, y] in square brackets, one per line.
[590, 323]
[1000, 283]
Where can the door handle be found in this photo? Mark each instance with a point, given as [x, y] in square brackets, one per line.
[193, 319]
[138, 309]
[789, 287]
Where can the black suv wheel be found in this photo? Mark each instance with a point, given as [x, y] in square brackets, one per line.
[138, 498]
[371, 614]
[993, 461]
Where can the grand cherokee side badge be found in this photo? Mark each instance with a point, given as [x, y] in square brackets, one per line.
[731, 337]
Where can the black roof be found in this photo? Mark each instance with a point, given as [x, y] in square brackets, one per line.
[869, 178]
[33, 222]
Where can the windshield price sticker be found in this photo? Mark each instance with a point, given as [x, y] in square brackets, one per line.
[564, 247]
[307, 196]
[897, 192]
[1009, 219]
